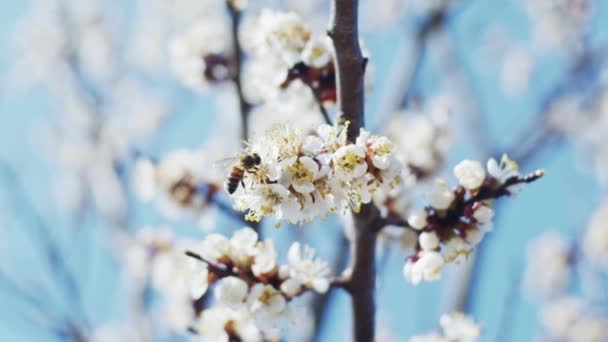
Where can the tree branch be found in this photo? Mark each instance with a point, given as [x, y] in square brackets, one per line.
[350, 68]
[349, 64]
[244, 105]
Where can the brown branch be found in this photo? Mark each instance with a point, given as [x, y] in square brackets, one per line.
[349, 64]
[350, 68]
[244, 105]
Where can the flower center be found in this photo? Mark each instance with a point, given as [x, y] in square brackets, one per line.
[350, 161]
[301, 174]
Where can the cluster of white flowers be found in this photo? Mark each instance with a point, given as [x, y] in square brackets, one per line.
[569, 319]
[182, 182]
[457, 327]
[254, 293]
[302, 177]
[548, 264]
[456, 220]
[281, 40]
[289, 57]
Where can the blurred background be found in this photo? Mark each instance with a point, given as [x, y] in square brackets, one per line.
[88, 88]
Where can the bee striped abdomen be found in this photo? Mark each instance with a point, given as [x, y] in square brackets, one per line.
[235, 177]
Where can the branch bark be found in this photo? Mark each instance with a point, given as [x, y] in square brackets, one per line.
[350, 69]
[349, 64]
[237, 50]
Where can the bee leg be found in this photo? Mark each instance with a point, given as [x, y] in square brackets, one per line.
[243, 184]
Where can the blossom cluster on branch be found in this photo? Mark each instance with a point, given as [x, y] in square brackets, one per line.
[302, 177]
[456, 220]
[256, 296]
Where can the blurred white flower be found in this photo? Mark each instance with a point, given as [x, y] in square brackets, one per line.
[456, 326]
[595, 240]
[231, 291]
[569, 319]
[459, 327]
[200, 55]
[547, 272]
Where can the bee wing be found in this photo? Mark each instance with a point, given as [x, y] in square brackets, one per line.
[224, 163]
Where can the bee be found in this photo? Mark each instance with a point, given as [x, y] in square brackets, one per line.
[246, 163]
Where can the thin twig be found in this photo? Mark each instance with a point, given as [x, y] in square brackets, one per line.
[219, 271]
[322, 108]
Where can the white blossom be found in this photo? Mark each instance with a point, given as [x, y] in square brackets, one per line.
[421, 140]
[570, 319]
[504, 171]
[305, 268]
[194, 50]
[231, 291]
[456, 326]
[470, 174]
[441, 197]
[427, 267]
[428, 241]
[265, 259]
[459, 327]
[318, 52]
[547, 272]
[221, 323]
[417, 219]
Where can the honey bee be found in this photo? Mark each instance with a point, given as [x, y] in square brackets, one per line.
[246, 163]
